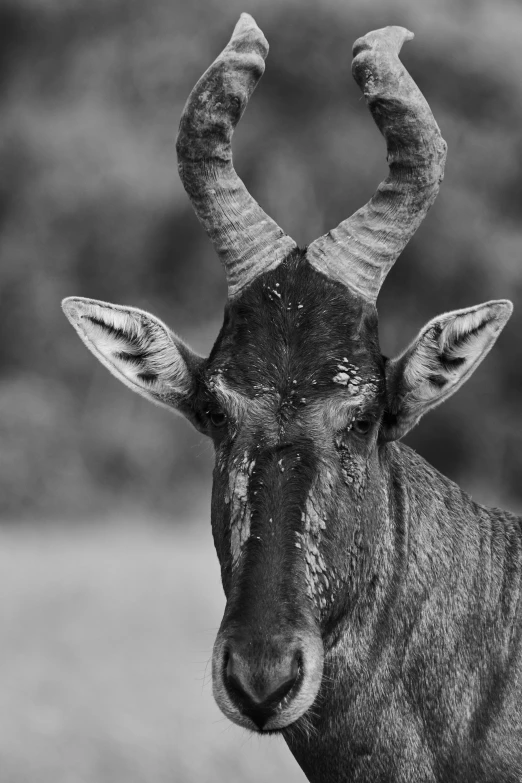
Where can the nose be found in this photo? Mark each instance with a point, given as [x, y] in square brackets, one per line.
[258, 690]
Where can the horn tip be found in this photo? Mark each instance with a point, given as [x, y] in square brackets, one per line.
[247, 36]
[392, 37]
[246, 24]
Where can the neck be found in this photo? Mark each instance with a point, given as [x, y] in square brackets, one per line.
[437, 585]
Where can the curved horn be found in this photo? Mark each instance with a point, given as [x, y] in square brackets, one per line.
[361, 250]
[246, 239]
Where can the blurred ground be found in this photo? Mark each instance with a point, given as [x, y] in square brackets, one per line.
[105, 634]
[91, 205]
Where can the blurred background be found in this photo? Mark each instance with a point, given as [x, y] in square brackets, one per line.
[110, 590]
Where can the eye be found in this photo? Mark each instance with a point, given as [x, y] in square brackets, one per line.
[361, 426]
[217, 418]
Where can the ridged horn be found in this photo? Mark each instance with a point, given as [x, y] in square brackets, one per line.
[362, 249]
[247, 240]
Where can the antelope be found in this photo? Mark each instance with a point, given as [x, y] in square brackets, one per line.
[373, 613]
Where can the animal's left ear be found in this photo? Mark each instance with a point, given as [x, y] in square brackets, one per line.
[437, 363]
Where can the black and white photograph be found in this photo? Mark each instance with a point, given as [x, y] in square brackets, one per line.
[260, 391]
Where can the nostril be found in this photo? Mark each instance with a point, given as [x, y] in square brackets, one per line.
[226, 658]
[236, 676]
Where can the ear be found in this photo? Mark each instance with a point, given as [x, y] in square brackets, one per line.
[437, 363]
[138, 349]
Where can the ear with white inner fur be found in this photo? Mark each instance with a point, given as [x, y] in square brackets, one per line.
[437, 363]
[138, 349]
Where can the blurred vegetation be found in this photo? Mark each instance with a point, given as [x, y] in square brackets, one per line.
[91, 205]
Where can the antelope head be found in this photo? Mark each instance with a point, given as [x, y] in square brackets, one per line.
[296, 396]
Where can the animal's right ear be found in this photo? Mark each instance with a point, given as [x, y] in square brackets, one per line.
[138, 349]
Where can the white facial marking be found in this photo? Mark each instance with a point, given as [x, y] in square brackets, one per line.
[348, 377]
[314, 520]
[237, 496]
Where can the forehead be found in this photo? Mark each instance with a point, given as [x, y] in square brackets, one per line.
[294, 332]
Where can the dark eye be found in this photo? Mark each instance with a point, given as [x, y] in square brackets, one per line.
[361, 426]
[217, 418]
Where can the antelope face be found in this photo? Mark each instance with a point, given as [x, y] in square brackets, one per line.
[295, 395]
